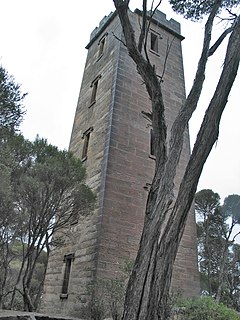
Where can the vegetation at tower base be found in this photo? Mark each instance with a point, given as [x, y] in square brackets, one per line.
[42, 190]
[149, 285]
[108, 300]
[219, 254]
[204, 308]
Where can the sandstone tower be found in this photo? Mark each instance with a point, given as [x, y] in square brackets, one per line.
[113, 139]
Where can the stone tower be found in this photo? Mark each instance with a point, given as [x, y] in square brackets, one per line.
[113, 139]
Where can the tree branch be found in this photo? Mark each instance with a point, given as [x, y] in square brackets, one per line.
[180, 123]
[152, 83]
[209, 130]
[119, 39]
[143, 27]
[219, 41]
[169, 46]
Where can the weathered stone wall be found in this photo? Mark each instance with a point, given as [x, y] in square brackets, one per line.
[85, 235]
[119, 165]
[18, 315]
[22, 315]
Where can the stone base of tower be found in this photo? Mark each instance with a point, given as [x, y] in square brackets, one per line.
[96, 263]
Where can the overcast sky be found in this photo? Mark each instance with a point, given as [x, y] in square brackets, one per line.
[42, 43]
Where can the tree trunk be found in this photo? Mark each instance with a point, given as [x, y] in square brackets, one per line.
[209, 256]
[27, 279]
[27, 301]
[149, 285]
[16, 284]
[223, 264]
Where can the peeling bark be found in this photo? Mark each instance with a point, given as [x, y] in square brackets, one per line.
[149, 285]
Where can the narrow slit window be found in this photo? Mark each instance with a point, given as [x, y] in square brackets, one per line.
[66, 277]
[94, 87]
[154, 42]
[86, 137]
[102, 44]
[101, 47]
[94, 92]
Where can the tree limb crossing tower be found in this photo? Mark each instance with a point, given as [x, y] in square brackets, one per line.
[113, 138]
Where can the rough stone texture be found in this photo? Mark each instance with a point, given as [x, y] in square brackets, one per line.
[19, 315]
[119, 166]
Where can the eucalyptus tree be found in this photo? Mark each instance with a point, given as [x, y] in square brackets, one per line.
[231, 213]
[11, 115]
[218, 249]
[49, 193]
[210, 224]
[149, 285]
[11, 102]
[42, 190]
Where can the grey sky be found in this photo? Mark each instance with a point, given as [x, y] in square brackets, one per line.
[42, 44]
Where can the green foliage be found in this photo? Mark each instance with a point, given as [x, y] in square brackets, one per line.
[231, 207]
[219, 259]
[42, 190]
[11, 98]
[206, 201]
[6, 196]
[206, 308]
[13, 271]
[107, 298]
[196, 9]
[50, 182]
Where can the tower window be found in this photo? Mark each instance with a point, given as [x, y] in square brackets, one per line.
[101, 44]
[154, 42]
[101, 47]
[94, 87]
[94, 92]
[68, 258]
[86, 137]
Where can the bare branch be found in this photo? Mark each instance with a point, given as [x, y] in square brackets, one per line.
[155, 9]
[219, 41]
[146, 26]
[234, 15]
[190, 105]
[152, 12]
[210, 126]
[235, 236]
[143, 28]
[119, 39]
[169, 46]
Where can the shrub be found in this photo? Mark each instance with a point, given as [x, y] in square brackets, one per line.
[206, 308]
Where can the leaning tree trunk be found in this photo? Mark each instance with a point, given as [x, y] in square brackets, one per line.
[223, 271]
[149, 285]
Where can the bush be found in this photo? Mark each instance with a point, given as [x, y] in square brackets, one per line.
[206, 308]
[107, 298]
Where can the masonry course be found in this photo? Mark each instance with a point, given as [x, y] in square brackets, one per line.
[119, 165]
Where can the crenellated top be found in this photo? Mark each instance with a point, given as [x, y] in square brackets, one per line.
[102, 25]
[159, 18]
